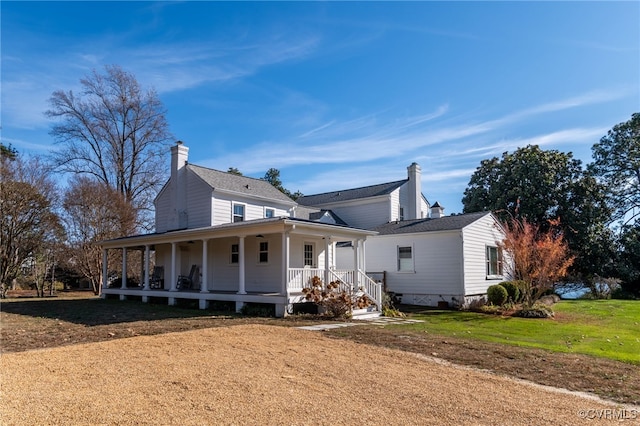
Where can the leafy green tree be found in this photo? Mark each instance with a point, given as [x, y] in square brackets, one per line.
[629, 258]
[617, 164]
[273, 177]
[542, 186]
[8, 152]
[234, 171]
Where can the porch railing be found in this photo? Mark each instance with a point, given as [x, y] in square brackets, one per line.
[371, 288]
[299, 278]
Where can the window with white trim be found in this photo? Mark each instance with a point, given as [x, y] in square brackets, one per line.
[308, 255]
[269, 212]
[263, 252]
[238, 213]
[494, 262]
[235, 253]
[405, 259]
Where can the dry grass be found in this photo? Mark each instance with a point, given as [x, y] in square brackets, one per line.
[82, 360]
[258, 374]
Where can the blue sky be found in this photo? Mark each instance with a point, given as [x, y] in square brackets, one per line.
[339, 94]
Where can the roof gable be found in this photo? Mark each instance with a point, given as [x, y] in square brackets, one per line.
[351, 194]
[248, 186]
[445, 223]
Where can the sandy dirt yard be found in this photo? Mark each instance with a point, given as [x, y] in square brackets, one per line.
[266, 375]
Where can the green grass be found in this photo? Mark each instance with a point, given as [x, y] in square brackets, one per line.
[604, 328]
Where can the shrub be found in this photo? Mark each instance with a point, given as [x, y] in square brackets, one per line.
[513, 290]
[538, 310]
[497, 295]
[336, 303]
[388, 307]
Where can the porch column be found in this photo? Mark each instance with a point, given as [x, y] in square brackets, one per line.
[204, 286]
[363, 255]
[356, 263]
[173, 276]
[124, 268]
[105, 267]
[147, 251]
[285, 262]
[241, 289]
[326, 259]
[141, 282]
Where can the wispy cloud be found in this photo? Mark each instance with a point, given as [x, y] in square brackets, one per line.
[166, 67]
[375, 136]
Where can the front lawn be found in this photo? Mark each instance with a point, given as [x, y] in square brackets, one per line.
[604, 328]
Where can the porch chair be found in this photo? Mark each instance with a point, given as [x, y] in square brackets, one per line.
[156, 279]
[186, 282]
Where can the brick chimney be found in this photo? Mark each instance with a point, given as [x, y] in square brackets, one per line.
[179, 157]
[415, 191]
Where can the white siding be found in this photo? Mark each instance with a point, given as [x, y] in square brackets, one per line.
[477, 236]
[394, 206]
[364, 215]
[437, 260]
[163, 209]
[403, 200]
[254, 209]
[424, 208]
[198, 202]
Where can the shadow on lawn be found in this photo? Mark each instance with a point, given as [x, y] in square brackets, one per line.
[449, 314]
[95, 311]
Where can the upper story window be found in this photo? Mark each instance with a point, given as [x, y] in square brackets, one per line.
[235, 253]
[401, 213]
[238, 213]
[494, 262]
[269, 212]
[405, 259]
[263, 252]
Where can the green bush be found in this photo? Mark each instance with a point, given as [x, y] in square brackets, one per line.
[497, 295]
[513, 290]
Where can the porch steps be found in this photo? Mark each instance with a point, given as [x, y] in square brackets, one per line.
[364, 314]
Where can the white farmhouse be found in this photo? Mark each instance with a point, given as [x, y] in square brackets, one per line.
[230, 238]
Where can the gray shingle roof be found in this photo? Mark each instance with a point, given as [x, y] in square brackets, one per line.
[240, 184]
[318, 215]
[446, 223]
[351, 194]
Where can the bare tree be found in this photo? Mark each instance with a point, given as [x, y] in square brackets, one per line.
[115, 132]
[93, 213]
[27, 219]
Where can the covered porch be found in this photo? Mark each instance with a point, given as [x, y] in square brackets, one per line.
[261, 261]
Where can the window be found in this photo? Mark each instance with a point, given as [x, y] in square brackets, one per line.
[401, 214]
[235, 253]
[494, 262]
[308, 255]
[269, 212]
[405, 259]
[238, 213]
[263, 253]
